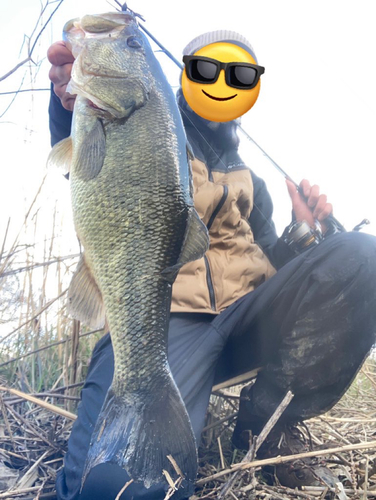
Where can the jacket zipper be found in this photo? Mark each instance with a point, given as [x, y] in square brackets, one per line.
[209, 280]
[210, 285]
[218, 207]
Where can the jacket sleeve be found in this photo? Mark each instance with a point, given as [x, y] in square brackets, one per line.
[263, 227]
[60, 119]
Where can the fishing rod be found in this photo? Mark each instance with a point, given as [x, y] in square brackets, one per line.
[331, 217]
[336, 225]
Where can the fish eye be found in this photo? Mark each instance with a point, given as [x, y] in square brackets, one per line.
[134, 42]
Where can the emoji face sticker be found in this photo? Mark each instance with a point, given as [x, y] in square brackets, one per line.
[218, 91]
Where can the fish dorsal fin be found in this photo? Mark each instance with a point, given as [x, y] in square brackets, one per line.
[196, 243]
[91, 152]
[190, 154]
[84, 297]
[61, 155]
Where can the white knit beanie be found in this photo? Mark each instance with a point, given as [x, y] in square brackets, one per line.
[218, 36]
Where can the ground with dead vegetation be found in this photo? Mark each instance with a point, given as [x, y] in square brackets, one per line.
[33, 441]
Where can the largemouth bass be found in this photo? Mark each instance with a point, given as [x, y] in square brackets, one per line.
[133, 212]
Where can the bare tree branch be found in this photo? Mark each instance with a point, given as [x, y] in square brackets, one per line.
[14, 69]
[38, 264]
[45, 24]
[34, 317]
[14, 97]
[49, 346]
[24, 90]
[31, 49]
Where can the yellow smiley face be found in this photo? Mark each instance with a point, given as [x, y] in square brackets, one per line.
[218, 101]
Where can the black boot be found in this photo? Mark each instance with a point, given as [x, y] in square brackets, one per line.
[284, 439]
[246, 422]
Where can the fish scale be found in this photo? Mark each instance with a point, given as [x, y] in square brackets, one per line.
[133, 212]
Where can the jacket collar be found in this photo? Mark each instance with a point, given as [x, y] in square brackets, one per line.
[214, 143]
[220, 135]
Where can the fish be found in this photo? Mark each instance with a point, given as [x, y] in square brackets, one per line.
[133, 211]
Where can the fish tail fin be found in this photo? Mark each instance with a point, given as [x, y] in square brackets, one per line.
[140, 438]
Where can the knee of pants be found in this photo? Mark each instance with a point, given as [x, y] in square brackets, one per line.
[358, 244]
[356, 251]
[366, 249]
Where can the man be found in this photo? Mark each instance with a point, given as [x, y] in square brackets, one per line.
[309, 326]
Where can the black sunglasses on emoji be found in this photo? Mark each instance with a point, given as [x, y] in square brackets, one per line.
[239, 75]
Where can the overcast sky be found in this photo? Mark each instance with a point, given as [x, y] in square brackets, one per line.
[315, 115]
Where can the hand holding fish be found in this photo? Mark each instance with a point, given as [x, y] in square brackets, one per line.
[313, 206]
[62, 60]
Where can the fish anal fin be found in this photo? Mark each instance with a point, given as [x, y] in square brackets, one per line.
[61, 155]
[139, 437]
[84, 297]
[91, 152]
[196, 243]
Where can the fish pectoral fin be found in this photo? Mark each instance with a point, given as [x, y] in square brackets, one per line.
[91, 152]
[196, 243]
[61, 155]
[84, 297]
[139, 436]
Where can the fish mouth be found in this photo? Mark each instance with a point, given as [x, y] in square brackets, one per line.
[109, 112]
[219, 98]
[94, 106]
[101, 108]
[94, 103]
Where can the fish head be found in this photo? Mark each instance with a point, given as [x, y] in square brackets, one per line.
[112, 63]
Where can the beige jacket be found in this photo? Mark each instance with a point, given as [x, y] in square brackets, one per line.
[234, 264]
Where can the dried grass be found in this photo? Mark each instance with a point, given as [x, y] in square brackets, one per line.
[346, 429]
[33, 442]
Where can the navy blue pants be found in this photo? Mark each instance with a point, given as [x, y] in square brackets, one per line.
[310, 327]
